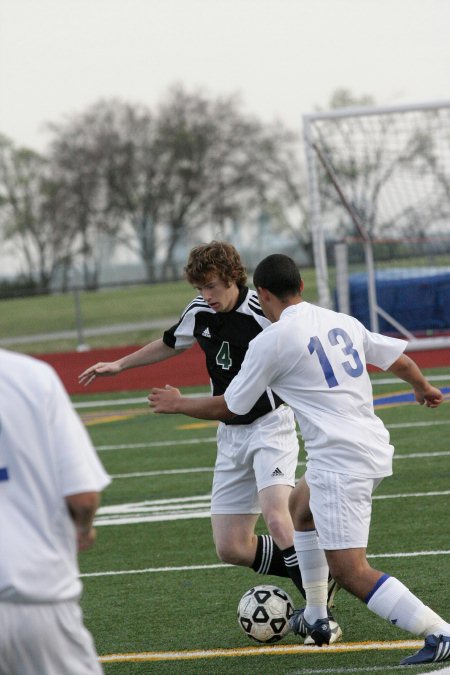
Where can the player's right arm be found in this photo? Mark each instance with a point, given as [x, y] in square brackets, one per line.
[82, 508]
[153, 352]
[169, 400]
[406, 369]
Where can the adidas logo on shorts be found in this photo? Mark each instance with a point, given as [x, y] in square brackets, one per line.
[277, 472]
[206, 332]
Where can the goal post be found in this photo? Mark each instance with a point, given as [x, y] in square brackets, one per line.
[379, 182]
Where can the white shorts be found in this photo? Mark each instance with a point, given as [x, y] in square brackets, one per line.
[342, 508]
[252, 457]
[45, 638]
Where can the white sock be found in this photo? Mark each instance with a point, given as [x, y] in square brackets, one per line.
[391, 600]
[314, 569]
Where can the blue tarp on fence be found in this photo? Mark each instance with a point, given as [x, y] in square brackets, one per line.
[418, 298]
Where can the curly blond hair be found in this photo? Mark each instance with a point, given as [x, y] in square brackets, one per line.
[216, 258]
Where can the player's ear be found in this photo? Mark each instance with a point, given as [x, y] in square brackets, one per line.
[263, 293]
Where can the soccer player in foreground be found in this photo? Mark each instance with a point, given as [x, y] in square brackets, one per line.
[50, 485]
[315, 360]
[257, 452]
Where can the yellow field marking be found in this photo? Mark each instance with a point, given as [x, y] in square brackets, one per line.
[105, 420]
[92, 418]
[272, 650]
[198, 425]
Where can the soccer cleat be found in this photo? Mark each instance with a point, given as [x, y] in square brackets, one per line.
[436, 648]
[333, 588]
[322, 631]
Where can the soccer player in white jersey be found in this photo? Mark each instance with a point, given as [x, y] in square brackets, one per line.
[50, 480]
[257, 453]
[315, 360]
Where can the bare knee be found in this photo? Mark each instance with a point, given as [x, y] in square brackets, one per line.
[236, 553]
[234, 538]
[227, 553]
[281, 529]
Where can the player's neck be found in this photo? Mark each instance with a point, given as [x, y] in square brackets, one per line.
[284, 304]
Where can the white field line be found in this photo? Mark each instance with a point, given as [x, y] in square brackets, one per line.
[406, 425]
[212, 439]
[163, 510]
[163, 472]
[371, 669]
[156, 444]
[157, 505]
[396, 380]
[210, 469]
[104, 403]
[214, 566]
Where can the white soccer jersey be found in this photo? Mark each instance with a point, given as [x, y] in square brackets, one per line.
[45, 455]
[315, 360]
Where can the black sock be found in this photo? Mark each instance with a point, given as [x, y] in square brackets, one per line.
[293, 568]
[269, 558]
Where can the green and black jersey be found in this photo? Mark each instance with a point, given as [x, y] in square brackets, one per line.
[224, 338]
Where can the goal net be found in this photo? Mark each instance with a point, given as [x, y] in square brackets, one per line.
[379, 187]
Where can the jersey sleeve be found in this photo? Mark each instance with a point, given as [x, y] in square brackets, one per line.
[381, 351]
[253, 379]
[79, 467]
[181, 335]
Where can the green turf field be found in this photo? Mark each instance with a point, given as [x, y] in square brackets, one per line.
[153, 584]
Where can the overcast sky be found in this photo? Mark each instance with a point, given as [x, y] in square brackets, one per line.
[284, 57]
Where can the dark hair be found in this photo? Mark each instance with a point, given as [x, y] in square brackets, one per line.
[217, 257]
[279, 274]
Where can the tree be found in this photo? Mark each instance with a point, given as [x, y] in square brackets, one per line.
[78, 158]
[206, 162]
[118, 173]
[128, 171]
[282, 185]
[194, 162]
[32, 213]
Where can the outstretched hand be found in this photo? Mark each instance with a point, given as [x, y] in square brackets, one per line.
[98, 369]
[164, 400]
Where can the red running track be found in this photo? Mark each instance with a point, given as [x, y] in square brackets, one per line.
[187, 369]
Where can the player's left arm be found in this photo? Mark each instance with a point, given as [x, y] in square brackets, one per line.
[170, 400]
[406, 369]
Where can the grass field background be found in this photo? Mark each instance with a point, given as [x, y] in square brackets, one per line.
[34, 316]
[153, 582]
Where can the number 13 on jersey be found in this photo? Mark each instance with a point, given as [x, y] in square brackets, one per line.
[337, 337]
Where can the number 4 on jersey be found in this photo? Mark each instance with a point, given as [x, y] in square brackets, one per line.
[223, 358]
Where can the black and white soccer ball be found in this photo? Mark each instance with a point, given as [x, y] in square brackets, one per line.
[264, 612]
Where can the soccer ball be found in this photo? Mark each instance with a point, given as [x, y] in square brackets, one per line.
[263, 613]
